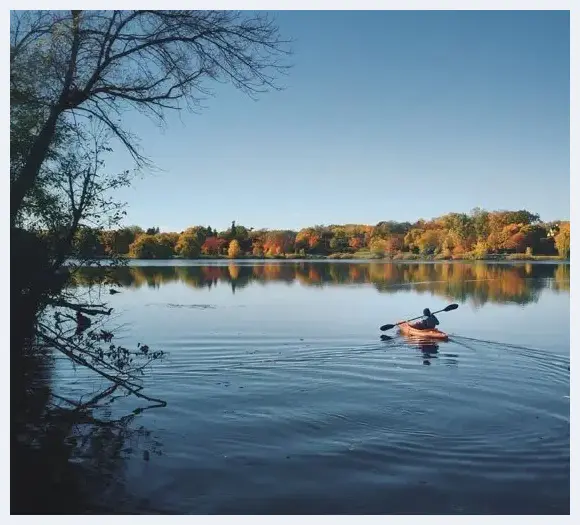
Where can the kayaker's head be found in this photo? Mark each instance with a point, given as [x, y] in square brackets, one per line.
[427, 312]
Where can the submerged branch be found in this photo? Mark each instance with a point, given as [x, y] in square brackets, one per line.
[125, 383]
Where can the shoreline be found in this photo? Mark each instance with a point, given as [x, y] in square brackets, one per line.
[510, 258]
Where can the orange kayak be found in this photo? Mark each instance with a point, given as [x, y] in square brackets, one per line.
[408, 329]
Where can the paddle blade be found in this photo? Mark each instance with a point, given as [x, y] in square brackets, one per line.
[385, 337]
[451, 307]
[387, 327]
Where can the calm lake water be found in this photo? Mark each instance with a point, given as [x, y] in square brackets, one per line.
[283, 399]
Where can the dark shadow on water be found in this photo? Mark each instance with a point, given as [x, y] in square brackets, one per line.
[69, 461]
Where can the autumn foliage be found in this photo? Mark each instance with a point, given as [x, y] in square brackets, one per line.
[479, 234]
[150, 247]
[213, 246]
[234, 249]
[562, 239]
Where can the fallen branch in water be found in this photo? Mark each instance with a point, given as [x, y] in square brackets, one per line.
[98, 309]
[92, 356]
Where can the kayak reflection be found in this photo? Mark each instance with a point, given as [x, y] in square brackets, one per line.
[429, 348]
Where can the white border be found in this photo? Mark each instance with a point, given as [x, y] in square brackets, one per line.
[307, 5]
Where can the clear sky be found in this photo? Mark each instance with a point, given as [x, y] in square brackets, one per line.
[386, 116]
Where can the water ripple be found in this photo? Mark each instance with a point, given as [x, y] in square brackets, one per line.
[285, 419]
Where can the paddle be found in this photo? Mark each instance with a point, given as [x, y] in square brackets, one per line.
[446, 309]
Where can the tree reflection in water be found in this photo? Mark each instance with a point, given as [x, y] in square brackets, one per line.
[475, 283]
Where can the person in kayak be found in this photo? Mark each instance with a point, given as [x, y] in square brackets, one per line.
[427, 324]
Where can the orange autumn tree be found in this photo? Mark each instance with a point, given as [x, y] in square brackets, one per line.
[508, 230]
[279, 242]
[310, 240]
[513, 238]
[356, 243]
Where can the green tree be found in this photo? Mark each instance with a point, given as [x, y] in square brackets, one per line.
[117, 242]
[240, 234]
[385, 229]
[522, 217]
[535, 239]
[169, 240]
[480, 223]
[135, 230]
[339, 242]
[87, 243]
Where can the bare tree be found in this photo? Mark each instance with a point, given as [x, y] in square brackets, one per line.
[72, 75]
[100, 63]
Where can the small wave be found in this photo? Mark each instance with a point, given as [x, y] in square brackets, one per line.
[193, 306]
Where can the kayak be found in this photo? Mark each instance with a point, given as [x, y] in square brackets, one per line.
[408, 329]
[432, 333]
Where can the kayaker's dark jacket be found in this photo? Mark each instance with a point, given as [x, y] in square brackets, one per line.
[428, 323]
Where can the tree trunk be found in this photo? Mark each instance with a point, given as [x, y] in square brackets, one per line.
[28, 174]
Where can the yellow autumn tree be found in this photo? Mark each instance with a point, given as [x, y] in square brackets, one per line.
[188, 245]
[563, 240]
[234, 249]
[378, 247]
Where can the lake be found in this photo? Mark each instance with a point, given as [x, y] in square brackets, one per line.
[281, 397]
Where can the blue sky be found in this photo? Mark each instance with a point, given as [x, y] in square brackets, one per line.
[392, 115]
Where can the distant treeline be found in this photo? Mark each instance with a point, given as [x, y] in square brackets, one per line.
[452, 236]
[478, 283]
